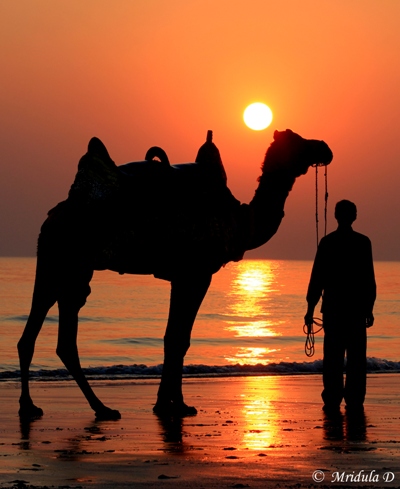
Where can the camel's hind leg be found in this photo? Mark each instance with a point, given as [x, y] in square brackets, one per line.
[71, 299]
[187, 294]
[43, 299]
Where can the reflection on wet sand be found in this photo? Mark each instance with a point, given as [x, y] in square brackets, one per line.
[249, 297]
[259, 414]
[349, 426]
[171, 431]
[25, 429]
[252, 431]
[255, 427]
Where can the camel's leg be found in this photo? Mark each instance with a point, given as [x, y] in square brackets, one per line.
[43, 299]
[187, 294]
[26, 347]
[67, 350]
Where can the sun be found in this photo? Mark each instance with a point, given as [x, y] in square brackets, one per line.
[257, 116]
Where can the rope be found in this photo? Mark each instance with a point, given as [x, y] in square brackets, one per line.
[309, 329]
[316, 204]
[325, 201]
[310, 340]
[326, 197]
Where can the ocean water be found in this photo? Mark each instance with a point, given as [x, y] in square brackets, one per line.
[251, 321]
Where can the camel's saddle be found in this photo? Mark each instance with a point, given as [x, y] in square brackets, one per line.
[207, 168]
[151, 209]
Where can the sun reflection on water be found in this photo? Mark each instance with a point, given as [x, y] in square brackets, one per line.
[251, 355]
[249, 297]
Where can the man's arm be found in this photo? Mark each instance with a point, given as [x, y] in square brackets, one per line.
[370, 286]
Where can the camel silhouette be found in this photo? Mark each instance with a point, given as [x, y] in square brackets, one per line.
[177, 222]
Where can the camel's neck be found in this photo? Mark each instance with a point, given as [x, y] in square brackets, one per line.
[266, 208]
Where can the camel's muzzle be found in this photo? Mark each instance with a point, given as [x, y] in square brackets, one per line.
[325, 155]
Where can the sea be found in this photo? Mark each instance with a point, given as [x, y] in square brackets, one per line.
[250, 323]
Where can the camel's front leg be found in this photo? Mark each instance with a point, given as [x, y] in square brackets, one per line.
[67, 350]
[26, 348]
[187, 294]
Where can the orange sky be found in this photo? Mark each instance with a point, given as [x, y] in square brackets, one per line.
[155, 72]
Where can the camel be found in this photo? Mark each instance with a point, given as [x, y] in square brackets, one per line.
[180, 223]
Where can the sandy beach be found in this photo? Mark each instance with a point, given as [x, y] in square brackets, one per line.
[254, 432]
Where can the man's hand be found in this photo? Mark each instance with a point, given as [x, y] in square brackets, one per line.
[309, 319]
[370, 320]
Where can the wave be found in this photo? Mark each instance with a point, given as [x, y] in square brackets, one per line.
[135, 371]
[54, 319]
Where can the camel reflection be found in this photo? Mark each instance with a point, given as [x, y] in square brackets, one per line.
[249, 297]
[171, 431]
[25, 429]
[77, 447]
[73, 447]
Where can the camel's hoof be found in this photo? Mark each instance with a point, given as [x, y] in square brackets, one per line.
[175, 410]
[184, 410]
[107, 414]
[29, 411]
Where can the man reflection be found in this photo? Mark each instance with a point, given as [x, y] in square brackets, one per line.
[351, 427]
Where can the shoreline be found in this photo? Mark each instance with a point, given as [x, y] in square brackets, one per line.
[266, 431]
[115, 381]
[105, 373]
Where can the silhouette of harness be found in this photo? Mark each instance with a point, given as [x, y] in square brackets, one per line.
[151, 169]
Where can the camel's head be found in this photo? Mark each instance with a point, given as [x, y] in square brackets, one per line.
[291, 153]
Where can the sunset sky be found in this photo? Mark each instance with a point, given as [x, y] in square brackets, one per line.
[138, 73]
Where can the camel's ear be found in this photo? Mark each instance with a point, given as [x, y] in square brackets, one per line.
[280, 134]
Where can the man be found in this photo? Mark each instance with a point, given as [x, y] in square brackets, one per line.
[343, 273]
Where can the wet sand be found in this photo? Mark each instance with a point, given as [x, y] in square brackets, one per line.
[256, 432]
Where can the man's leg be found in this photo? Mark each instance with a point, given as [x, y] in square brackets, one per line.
[356, 369]
[334, 349]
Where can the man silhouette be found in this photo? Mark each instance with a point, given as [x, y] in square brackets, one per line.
[343, 273]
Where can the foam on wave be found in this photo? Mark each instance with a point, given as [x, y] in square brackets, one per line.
[135, 371]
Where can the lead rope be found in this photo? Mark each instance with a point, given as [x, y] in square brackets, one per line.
[326, 199]
[316, 204]
[325, 202]
[309, 330]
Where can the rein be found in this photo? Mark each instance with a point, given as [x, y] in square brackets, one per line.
[325, 201]
[309, 330]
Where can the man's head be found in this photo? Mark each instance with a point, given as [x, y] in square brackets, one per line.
[345, 212]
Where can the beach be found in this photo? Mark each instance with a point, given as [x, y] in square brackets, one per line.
[260, 422]
[256, 432]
